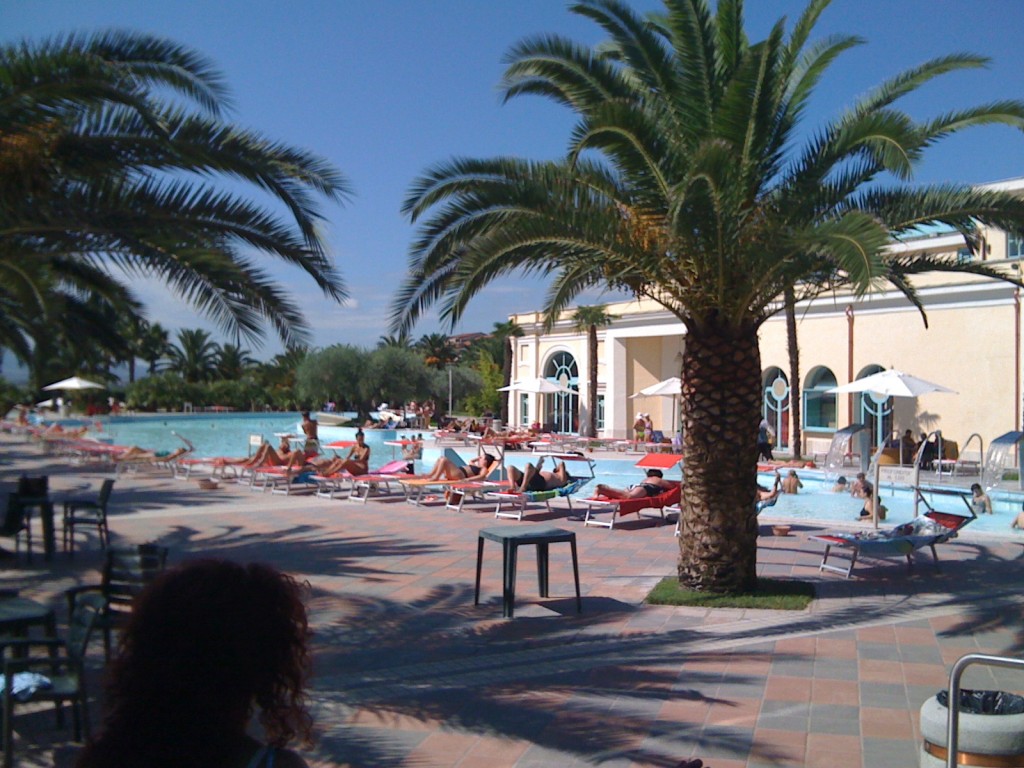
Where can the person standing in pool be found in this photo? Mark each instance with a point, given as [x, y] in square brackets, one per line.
[980, 501]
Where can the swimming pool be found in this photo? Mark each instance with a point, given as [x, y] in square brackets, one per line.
[816, 502]
[227, 435]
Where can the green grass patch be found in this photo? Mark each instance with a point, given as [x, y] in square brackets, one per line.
[771, 594]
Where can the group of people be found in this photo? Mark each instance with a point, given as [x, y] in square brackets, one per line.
[643, 428]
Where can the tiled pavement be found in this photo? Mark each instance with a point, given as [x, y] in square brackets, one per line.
[410, 673]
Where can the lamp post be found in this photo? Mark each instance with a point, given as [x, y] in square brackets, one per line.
[449, 389]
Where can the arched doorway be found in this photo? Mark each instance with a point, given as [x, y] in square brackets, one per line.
[775, 404]
[819, 409]
[875, 411]
[561, 410]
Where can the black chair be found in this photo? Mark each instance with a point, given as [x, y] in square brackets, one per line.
[15, 522]
[88, 512]
[125, 574]
[62, 666]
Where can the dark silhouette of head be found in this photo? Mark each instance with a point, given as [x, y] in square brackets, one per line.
[206, 645]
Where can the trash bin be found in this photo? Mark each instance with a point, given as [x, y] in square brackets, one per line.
[991, 729]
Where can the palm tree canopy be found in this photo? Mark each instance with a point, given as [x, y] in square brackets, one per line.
[114, 153]
[689, 178]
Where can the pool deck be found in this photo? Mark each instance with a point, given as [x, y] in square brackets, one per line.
[410, 673]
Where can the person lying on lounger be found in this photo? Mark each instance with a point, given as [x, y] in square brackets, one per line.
[654, 484]
[533, 478]
[446, 469]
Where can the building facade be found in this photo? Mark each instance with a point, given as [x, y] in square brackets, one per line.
[971, 343]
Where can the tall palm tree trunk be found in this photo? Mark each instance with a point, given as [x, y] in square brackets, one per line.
[591, 426]
[796, 434]
[506, 377]
[721, 397]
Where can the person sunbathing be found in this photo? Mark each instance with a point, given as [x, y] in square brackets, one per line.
[533, 478]
[134, 453]
[446, 469]
[356, 462]
[653, 485]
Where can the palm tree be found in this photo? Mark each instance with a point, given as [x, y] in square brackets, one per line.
[437, 350]
[589, 319]
[114, 156]
[155, 346]
[194, 357]
[793, 347]
[400, 340]
[233, 361]
[690, 180]
[505, 332]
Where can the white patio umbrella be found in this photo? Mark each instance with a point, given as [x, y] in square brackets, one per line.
[536, 386]
[46, 404]
[666, 388]
[891, 383]
[74, 383]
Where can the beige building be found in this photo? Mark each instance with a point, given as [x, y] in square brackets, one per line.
[972, 344]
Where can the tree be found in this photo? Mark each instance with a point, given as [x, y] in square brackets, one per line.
[691, 180]
[506, 332]
[589, 319]
[793, 346]
[437, 350]
[194, 357]
[334, 373]
[115, 159]
[233, 361]
[155, 346]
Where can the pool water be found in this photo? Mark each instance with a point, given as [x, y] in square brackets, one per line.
[816, 502]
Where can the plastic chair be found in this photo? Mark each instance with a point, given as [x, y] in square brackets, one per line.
[88, 512]
[125, 574]
[62, 666]
[15, 522]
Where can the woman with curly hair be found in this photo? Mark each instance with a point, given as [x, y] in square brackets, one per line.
[206, 645]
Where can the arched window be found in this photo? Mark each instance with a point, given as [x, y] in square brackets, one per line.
[875, 410]
[561, 411]
[819, 404]
[775, 404]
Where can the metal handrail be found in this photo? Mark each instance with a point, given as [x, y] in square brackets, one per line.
[953, 722]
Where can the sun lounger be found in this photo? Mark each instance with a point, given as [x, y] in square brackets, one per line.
[166, 461]
[519, 499]
[621, 507]
[379, 481]
[926, 530]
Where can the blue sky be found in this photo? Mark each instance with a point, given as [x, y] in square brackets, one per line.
[386, 88]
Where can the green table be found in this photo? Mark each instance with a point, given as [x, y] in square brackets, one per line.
[513, 537]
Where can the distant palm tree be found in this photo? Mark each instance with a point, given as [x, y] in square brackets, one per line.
[194, 357]
[155, 346]
[437, 350]
[588, 320]
[114, 157]
[689, 182]
[506, 332]
[401, 340]
[233, 361]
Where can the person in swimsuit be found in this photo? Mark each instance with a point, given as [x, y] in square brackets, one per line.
[533, 478]
[654, 484]
[446, 469]
[980, 501]
[310, 428]
[357, 462]
[207, 645]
